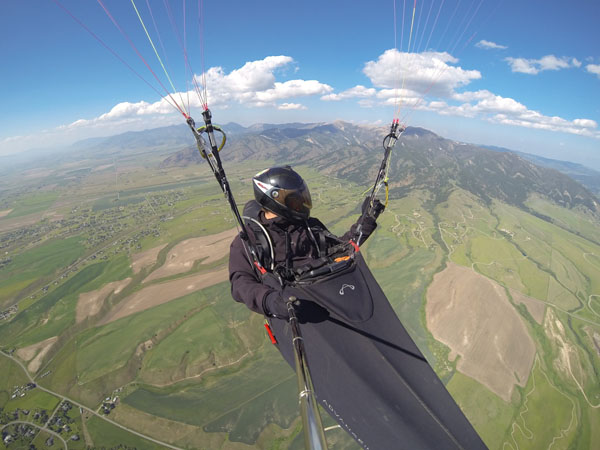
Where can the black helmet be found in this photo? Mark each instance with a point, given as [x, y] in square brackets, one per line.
[282, 191]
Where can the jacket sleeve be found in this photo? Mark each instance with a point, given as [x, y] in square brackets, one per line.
[368, 227]
[246, 287]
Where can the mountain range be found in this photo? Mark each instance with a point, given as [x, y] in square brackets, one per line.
[420, 160]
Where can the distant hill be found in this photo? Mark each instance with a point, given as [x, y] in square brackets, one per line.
[590, 178]
[421, 160]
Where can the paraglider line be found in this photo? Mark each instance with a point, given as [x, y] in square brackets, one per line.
[185, 53]
[140, 55]
[114, 53]
[154, 48]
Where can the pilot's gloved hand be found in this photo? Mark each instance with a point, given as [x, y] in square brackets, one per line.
[377, 209]
[275, 306]
[305, 310]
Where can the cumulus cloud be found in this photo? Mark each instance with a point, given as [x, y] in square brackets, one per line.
[122, 113]
[593, 68]
[290, 106]
[252, 76]
[503, 110]
[427, 72]
[289, 89]
[487, 45]
[355, 92]
[254, 84]
[535, 66]
[407, 80]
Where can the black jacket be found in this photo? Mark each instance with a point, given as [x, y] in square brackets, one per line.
[246, 286]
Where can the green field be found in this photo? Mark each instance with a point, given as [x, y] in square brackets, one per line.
[33, 399]
[36, 264]
[242, 400]
[32, 203]
[555, 427]
[55, 312]
[12, 375]
[112, 436]
[181, 350]
[490, 415]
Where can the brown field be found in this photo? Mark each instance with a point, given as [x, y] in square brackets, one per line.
[158, 294]
[104, 166]
[145, 259]
[472, 315]
[535, 307]
[181, 258]
[37, 173]
[89, 303]
[38, 350]
[6, 212]
[19, 222]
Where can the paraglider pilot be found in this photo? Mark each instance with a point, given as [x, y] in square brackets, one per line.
[282, 208]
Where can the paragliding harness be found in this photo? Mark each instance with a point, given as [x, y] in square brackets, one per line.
[333, 254]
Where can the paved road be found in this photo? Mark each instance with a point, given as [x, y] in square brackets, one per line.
[47, 430]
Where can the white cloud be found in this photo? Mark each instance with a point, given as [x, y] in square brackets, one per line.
[497, 109]
[290, 89]
[406, 80]
[355, 92]
[487, 45]
[535, 66]
[252, 76]
[551, 62]
[254, 84]
[291, 106]
[522, 65]
[427, 72]
[585, 123]
[593, 68]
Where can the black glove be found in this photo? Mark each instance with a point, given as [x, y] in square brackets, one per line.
[275, 306]
[377, 209]
[306, 311]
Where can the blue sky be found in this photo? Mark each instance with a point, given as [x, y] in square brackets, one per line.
[523, 75]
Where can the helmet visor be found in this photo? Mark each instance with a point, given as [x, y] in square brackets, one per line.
[297, 200]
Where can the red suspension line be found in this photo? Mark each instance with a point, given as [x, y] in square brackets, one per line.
[201, 35]
[448, 24]
[434, 24]
[141, 57]
[162, 46]
[184, 50]
[115, 54]
[424, 27]
[466, 27]
[184, 10]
